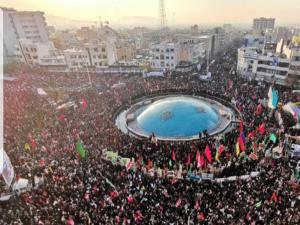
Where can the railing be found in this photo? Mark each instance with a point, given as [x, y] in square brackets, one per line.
[166, 92]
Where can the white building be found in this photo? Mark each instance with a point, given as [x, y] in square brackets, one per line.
[100, 54]
[164, 55]
[168, 55]
[262, 24]
[77, 58]
[29, 25]
[43, 54]
[205, 41]
[282, 67]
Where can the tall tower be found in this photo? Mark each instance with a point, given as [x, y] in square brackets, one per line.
[162, 15]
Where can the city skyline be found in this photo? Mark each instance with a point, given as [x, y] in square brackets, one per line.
[178, 12]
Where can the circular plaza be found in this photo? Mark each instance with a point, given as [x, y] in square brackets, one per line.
[176, 117]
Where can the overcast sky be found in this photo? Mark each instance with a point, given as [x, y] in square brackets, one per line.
[178, 11]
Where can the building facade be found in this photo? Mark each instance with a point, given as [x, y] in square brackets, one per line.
[263, 24]
[164, 55]
[77, 58]
[281, 66]
[98, 53]
[17, 25]
[41, 53]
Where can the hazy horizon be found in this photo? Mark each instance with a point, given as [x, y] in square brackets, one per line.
[179, 12]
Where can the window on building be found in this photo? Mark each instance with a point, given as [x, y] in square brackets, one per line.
[172, 49]
[162, 57]
[103, 50]
[95, 49]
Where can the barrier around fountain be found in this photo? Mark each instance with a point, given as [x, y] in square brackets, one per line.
[226, 111]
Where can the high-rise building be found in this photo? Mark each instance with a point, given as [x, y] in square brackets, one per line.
[262, 24]
[17, 25]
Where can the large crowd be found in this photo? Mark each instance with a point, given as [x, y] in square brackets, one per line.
[40, 140]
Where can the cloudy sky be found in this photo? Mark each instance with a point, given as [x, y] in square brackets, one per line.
[178, 11]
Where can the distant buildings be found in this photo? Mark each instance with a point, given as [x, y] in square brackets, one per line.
[38, 53]
[168, 55]
[165, 55]
[219, 40]
[17, 25]
[278, 62]
[263, 24]
[195, 29]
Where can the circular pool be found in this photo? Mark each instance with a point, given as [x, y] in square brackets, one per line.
[175, 117]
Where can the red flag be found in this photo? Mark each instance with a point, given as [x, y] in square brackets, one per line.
[248, 217]
[61, 117]
[220, 150]
[42, 162]
[241, 143]
[33, 143]
[201, 216]
[173, 155]
[178, 203]
[137, 216]
[113, 194]
[197, 205]
[70, 221]
[149, 164]
[229, 84]
[118, 220]
[84, 104]
[274, 197]
[259, 110]
[198, 158]
[253, 156]
[241, 127]
[202, 161]
[130, 199]
[251, 135]
[129, 165]
[188, 160]
[262, 128]
[208, 154]
[86, 196]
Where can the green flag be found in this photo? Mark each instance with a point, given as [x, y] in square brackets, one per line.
[273, 138]
[258, 204]
[143, 163]
[170, 163]
[80, 149]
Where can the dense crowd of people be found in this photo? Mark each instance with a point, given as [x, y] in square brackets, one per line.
[40, 139]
